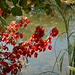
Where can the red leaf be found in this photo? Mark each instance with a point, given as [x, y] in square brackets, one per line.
[12, 23]
[0, 11]
[28, 21]
[54, 32]
[49, 47]
[21, 35]
[22, 58]
[25, 25]
[35, 54]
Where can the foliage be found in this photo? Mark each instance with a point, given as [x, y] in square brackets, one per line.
[71, 68]
[69, 50]
[35, 43]
[26, 6]
[5, 8]
[10, 59]
[16, 11]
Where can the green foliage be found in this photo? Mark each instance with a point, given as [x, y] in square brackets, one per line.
[22, 2]
[15, 2]
[5, 9]
[3, 22]
[16, 11]
[6, 12]
[61, 61]
[27, 8]
[36, 7]
[0, 47]
[69, 49]
[2, 4]
[71, 68]
[57, 2]
[34, 1]
[42, 4]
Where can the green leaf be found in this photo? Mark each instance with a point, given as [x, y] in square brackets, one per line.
[57, 2]
[22, 2]
[4, 22]
[37, 7]
[15, 2]
[27, 11]
[0, 47]
[47, 11]
[34, 2]
[70, 18]
[61, 61]
[71, 68]
[42, 5]
[3, 0]
[2, 4]
[71, 34]
[63, 5]
[27, 8]
[16, 11]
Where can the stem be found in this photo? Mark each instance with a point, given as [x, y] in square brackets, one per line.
[67, 28]
[74, 57]
[3, 21]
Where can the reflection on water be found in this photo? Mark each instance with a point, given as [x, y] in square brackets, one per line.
[45, 60]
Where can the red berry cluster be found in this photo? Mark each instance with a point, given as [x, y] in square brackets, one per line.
[28, 48]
